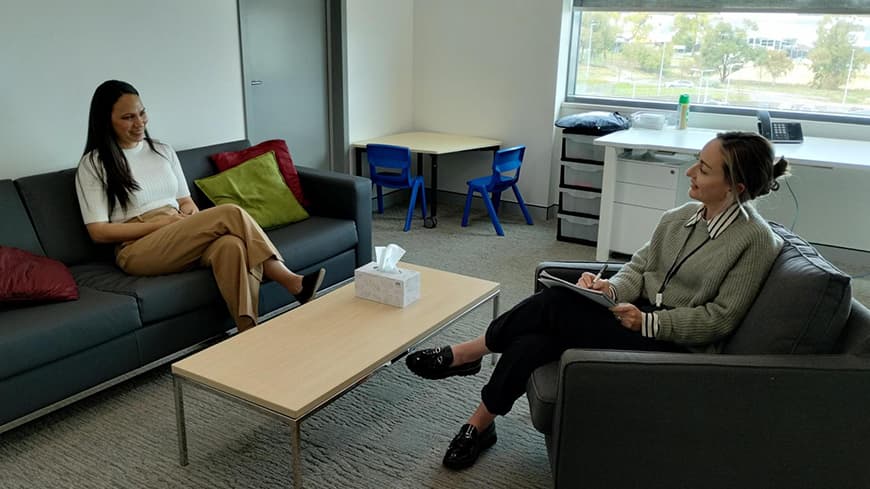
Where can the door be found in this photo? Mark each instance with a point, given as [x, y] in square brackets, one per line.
[284, 59]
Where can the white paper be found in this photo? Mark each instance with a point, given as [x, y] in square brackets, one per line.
[387, 257]
[597, 296]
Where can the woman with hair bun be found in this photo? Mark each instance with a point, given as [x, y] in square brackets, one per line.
[685, 290]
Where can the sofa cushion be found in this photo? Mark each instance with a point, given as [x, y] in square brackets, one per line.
[195, 164]
[51, 201]
[541, 390]
[257, 187]
[67, 376]
[855, 339]
[226, 160]
[25, 277]
[801, 307]
[33, 336]
[313, 240]
[15, 227]
[301, 244]
[158, 297]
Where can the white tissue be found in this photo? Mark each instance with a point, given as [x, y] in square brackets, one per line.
[387, 257]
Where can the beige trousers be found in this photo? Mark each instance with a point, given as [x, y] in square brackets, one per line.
[224, 238]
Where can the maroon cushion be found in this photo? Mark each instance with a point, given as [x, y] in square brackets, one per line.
[230, 159]
[25, 277]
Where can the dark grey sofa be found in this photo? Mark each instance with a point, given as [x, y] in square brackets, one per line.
[741, 419]
[53, 354]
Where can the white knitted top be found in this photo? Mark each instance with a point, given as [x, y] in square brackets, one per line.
[161, 183]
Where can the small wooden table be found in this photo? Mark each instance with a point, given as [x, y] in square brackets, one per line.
[432, 144]
[300, 361]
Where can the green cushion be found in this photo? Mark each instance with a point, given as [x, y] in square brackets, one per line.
[258, 187]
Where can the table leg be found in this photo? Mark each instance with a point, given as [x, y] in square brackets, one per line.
[605, 213]
[432, 220]
[358, 157]
[494, 356]
[179, 421]
[295, 436]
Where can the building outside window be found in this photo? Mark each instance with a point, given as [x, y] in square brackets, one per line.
[788, 62]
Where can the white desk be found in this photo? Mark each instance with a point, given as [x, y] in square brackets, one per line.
[432, 144]
[829, 178]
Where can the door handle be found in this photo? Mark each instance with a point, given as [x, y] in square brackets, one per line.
[256, 82]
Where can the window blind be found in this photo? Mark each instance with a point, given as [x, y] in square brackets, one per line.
[848, 7]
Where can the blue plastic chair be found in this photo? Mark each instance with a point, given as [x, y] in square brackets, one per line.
[505, 174]
[384, 161]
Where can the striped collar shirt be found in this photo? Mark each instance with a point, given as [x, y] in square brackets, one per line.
[718, 225]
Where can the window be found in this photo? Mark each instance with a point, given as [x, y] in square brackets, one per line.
[806, 63]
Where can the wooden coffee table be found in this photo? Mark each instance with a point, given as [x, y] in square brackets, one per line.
[300, 361]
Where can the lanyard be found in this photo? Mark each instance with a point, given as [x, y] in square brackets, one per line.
[675, 267]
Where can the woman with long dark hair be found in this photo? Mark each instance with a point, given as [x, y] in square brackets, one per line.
[132, 192]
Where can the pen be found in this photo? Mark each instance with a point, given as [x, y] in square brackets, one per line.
[597, 277]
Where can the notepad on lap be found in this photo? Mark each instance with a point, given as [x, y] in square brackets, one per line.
[599, 297]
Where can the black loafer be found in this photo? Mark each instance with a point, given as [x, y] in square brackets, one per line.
[310, 285]
[434, 364]
[468, 445]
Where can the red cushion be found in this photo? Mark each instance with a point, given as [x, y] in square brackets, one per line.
[27, 277]
[230, 159]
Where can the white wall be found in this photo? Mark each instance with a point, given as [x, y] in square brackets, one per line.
[182, 56]
[488, 68]
[379, 48]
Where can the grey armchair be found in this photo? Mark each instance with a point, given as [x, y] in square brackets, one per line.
[764, 414]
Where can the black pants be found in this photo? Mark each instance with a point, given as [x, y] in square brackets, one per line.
[537, 330]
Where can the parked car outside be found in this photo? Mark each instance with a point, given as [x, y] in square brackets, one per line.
[679, 84]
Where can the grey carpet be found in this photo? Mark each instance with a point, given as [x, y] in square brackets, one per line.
[389, 432]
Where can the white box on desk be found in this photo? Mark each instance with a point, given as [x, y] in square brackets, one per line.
[395, 289]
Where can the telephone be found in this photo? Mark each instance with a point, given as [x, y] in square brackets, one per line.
[779, 132]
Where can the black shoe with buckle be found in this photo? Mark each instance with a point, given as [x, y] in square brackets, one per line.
[434, 364]
[468, 445]
[310, 284]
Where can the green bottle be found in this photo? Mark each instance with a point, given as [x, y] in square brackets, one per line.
[683, 111]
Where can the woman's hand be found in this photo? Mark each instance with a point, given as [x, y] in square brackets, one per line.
[628, 315]
[121, 232]
[187, 207]
[587, 281]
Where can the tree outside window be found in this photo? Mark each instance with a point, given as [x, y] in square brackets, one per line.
[806, 63]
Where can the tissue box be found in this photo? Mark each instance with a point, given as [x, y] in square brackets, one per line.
[395, 289]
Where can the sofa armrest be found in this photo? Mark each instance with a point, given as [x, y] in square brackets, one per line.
[341, 196]
[663, 420]
[571, 270]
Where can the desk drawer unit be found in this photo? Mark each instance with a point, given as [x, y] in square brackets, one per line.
[632, 227]
[644, 190]
[641, 195]
[581, 176]
[576, 229]
[579, 202]
[650, 174]
[579, 147]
